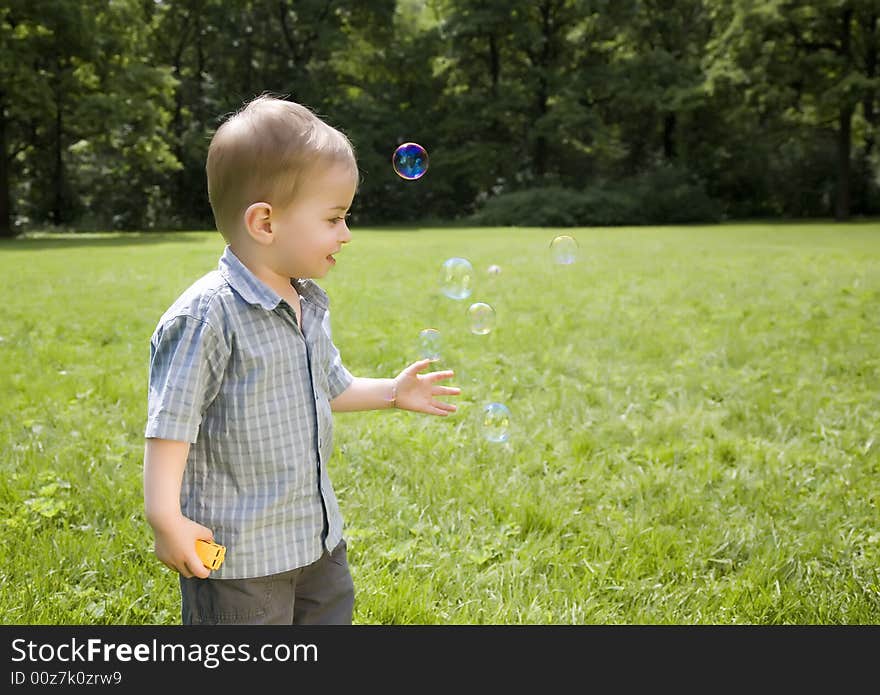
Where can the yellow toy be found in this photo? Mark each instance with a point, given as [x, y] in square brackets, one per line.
[211, 554]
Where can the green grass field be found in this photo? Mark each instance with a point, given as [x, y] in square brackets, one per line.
[694, 427]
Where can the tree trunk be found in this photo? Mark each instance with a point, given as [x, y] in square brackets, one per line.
[199, 110]
[844, 143]
[843, 196]
[57, 213]
[543, 92]
[494, 65]
[541, 141]
[871, 116]
[5, 197]
[669, 123]
[177, 71]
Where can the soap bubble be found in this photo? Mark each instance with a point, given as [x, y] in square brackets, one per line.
[481, 317]
[564, 249]
[496, 422]
[410, 161]
[429, 343]
[456, 278]
[494, 270]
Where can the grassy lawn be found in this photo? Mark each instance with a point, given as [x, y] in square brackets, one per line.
[694, 432]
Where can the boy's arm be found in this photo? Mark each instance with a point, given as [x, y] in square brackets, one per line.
[164, 463]
[409, 390]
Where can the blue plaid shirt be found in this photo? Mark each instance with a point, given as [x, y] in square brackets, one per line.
[232, 373]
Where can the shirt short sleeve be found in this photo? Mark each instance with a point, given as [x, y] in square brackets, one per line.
[187, 362]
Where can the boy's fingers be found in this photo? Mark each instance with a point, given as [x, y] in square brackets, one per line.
[417, 367]
[439, 376]
[194, 565]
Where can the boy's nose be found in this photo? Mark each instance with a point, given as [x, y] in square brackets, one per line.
[346, 233]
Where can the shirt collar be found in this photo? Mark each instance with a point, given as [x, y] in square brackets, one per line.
[255, 291]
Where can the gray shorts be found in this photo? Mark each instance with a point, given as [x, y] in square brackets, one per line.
[318, 594]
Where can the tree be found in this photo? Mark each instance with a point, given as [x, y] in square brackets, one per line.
[513, 89]
[815, 63]
[659, 76]
[83, 112]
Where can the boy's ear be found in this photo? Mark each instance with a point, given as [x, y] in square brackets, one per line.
[258, 222]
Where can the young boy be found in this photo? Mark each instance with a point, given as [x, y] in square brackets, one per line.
[244, 376]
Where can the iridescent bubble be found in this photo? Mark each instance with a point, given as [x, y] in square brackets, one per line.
[456, 278]
[429, 343]
[410, 161]
[494, 270]
[481, 317]
[564, 249]
[496, 422]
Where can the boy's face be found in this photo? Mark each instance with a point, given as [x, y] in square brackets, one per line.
[313, 228]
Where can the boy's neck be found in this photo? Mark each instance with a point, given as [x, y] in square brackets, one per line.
[280, 284]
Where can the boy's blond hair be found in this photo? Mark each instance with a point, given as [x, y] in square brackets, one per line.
[260, 153]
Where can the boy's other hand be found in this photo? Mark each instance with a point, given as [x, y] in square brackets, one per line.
[176, 546]
[416, 391]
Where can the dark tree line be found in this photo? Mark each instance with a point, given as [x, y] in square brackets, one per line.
[764, 107]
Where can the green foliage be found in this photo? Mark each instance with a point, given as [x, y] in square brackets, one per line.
[85, 111]
[772, 108]
[663, 196]
[694, 427]
[669, 195]
[537, 207]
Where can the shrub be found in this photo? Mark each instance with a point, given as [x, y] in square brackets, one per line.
[670, 195]
[666, 195]
[549, 206]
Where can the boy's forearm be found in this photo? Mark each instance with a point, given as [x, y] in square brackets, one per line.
[164, 463]
[365, 393]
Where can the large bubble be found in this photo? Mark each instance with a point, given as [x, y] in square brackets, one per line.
[410, 161]
[456, 278]
[496, 422]
[564, 249]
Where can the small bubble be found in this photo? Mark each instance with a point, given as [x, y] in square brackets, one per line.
[429, 344]
[496, 422]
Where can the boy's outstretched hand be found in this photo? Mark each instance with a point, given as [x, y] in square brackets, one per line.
[416, 391]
